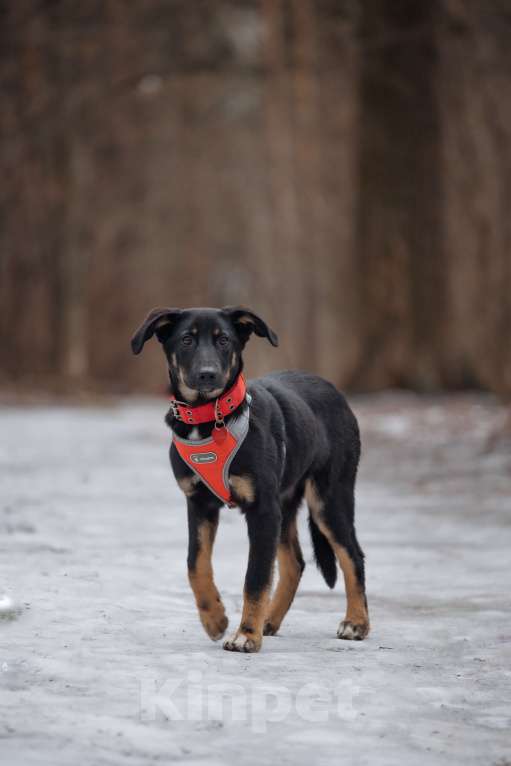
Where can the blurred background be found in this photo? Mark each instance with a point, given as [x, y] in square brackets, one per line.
[343, 167]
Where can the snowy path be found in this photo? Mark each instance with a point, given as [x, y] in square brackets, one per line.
[107, 663]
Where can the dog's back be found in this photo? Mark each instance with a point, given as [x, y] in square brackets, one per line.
[317, 418]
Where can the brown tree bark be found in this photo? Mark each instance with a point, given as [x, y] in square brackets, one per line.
[400, 249]
[342, 166]
[32, 200]
[475, 100]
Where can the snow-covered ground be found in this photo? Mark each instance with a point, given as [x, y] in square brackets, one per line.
[103, 660]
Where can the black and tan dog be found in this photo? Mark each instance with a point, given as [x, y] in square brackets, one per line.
[301, 439]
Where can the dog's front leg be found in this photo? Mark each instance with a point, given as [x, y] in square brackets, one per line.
[202, 526]
[263, 522]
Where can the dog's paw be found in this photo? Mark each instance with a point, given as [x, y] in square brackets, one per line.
[214, 625]
[270, 629]
[351, 631]
[240, 642]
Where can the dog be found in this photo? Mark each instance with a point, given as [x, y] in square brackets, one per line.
[262, 448]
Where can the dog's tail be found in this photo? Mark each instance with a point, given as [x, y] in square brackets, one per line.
[323, 554]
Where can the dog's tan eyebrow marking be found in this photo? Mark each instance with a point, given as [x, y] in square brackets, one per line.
[194, 331]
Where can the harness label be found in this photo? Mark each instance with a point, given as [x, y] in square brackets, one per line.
[203, 457]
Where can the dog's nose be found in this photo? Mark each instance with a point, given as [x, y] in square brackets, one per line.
[208, 376]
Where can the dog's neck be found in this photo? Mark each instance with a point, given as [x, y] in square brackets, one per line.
[201, 430]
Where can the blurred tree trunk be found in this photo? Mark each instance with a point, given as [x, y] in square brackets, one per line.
[325, 70]
[400, 249]
[475, 100]
[311, 108]
[435, 178]
[32, 194]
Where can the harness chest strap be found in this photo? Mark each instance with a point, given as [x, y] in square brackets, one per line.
[210, 458]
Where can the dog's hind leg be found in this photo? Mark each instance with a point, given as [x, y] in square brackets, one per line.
[202, 526]
[291, 566]
[332, 509]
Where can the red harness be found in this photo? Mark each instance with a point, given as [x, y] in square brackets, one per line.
[211, 458]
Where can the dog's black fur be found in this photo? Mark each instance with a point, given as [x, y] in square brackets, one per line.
[303, 439]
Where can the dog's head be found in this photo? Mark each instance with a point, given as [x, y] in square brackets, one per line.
[203, 347]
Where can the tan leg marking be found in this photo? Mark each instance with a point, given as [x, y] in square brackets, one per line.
[356, 622]
[188, 484]
[313, 499]
[207, 597]
[290, 572]
[243, 487]
[249, 636]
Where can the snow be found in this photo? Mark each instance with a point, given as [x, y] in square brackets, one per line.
[103, 659]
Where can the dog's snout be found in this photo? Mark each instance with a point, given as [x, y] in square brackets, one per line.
[205, 377]
[208, 376]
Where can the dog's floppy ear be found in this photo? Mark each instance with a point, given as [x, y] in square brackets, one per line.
[158, 321]
[246, 322]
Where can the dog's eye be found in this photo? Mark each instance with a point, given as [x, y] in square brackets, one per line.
[223, 340]
[187, 340]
